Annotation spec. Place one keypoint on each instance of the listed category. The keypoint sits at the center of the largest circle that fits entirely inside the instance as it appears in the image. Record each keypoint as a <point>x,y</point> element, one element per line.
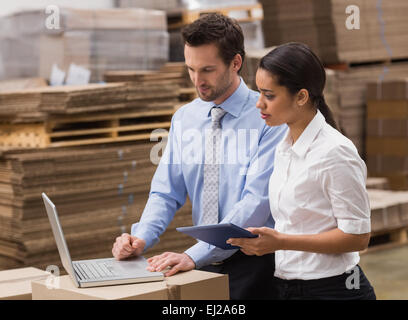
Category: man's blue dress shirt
<point>248,147</point>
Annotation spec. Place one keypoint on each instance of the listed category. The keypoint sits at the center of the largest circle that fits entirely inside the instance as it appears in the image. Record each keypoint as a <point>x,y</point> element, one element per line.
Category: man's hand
<point>176,261</point>
<point>127,246</point>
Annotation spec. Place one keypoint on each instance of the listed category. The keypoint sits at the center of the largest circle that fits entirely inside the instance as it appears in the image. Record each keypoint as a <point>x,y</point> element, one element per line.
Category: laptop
<point>97,272</point>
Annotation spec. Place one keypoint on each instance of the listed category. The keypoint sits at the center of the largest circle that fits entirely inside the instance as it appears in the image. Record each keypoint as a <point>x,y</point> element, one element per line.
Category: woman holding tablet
<point>317,190</point>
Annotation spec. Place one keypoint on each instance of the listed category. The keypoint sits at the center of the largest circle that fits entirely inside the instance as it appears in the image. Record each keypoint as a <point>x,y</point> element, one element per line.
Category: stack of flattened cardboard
<point>340,31</point>
<point>99,192</point>
<point>99,40</point>
<point>377,183</point>
<point>387,131</point>
<point>160,88</point>
<point>33,104</point>
<point>23,83</point>
<point>351,85</point>
<point>83,98</point>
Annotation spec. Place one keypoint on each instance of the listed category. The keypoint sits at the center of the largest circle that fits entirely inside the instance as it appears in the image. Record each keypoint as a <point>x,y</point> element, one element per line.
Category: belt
<point>217,263</point>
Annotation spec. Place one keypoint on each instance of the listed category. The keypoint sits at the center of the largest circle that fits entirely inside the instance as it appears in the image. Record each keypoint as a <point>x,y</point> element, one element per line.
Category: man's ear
<point>236,62</point>
<point>302,97</point>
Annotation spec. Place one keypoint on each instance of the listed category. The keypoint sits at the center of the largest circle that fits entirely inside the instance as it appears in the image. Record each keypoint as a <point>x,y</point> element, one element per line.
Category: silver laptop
<point>98,272</point>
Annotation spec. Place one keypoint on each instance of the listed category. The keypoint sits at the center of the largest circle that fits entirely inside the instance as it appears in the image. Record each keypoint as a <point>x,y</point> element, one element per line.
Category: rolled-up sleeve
<point>344,182</point>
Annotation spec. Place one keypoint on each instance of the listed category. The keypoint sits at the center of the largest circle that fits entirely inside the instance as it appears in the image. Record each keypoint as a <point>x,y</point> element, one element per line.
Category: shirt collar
<point>234,103</point>
<point>305,140</point>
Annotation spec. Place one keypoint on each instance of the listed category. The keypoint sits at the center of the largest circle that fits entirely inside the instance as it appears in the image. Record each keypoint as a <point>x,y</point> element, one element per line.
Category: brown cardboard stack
<point>351,85</point>
<point>377,183</point>
<point>99,192</point>
<point>99,40</point>
<point>389,209</point>
<point>251,63</point>
<point>16,284</point>
<point>322,25</point>
<point>387,131</point>
<point>190,285</point>
<point>20,84</point>
<point>64,99</point>
<point>160,88</point>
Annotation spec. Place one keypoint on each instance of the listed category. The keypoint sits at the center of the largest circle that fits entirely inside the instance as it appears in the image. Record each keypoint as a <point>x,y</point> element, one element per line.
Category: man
<point>227,180</point>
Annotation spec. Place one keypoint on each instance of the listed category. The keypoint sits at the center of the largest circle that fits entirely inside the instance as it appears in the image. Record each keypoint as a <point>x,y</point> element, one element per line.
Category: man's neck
<point>234,86</point>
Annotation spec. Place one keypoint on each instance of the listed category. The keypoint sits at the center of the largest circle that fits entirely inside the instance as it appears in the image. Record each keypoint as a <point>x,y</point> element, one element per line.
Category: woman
<point>317,191</point>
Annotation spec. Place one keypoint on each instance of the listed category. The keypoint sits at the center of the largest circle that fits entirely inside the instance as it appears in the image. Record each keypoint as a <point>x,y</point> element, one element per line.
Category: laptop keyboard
<point>93,270</point>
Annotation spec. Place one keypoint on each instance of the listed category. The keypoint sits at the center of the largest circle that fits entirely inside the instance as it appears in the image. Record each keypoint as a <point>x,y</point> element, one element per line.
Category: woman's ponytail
<point>322,106</point>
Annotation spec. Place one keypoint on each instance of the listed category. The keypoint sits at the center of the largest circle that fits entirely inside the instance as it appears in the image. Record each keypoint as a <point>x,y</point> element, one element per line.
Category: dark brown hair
<point>296,67</point>
<point>221,30</point>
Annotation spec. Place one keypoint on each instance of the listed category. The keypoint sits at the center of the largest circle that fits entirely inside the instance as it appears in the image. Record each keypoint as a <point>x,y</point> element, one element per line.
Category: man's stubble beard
<point>223,85</point>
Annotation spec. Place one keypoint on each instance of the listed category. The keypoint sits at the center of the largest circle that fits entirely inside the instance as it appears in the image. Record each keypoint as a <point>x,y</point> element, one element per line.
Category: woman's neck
<point>296,128</point>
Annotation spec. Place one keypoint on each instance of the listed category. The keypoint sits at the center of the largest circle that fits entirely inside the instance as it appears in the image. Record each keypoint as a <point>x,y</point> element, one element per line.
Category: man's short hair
<point>221,30</point>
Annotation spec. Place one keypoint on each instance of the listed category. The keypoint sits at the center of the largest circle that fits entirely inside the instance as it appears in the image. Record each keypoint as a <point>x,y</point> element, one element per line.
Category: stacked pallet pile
<point>327,28</point>
<point>86,114</point>
<point>98,40</point>
<point>389,214</point>
<point>387,131</point>
<point>374,51</point>
<point>99,192</point>
<point>389,210</point>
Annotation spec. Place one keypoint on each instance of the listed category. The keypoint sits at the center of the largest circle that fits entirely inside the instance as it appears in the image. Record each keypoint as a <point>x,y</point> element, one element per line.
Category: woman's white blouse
<point>318,184</point>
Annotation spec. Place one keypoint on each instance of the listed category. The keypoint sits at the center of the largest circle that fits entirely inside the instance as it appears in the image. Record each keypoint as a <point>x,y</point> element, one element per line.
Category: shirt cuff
<point>137,231</point>
<point>204,254</point>
<point>354,226</point>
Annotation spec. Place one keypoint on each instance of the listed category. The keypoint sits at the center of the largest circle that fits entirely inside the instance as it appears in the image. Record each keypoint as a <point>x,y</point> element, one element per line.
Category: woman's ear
<point>302,97</point>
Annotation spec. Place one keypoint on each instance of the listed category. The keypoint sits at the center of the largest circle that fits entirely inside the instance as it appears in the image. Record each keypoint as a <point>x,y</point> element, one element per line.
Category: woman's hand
<point>268,241</point>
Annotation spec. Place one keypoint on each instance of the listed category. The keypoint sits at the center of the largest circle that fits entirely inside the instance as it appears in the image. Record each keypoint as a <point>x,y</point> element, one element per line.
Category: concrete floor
<point>387,271</point>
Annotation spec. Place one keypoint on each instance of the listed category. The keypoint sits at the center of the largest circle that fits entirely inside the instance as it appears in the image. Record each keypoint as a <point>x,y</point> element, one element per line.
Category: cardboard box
<point>190,285</point>
<point>402,197</point>
<point>62,288</point>
<point>387,128</point>
<point>386,209</point>
<point>381,164</point>
<point>377,183</point>
<point>198,285</point>
<point>387,146</point>
<point>388,90</point>
<point>15,284</point>
<point>387,109</point>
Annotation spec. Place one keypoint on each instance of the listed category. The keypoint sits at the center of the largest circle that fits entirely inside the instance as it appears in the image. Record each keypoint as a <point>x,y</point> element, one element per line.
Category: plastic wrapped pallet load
<point>99,40</point>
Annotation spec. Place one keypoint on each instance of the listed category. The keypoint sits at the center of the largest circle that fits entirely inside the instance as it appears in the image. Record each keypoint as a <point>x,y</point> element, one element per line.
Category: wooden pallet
<point>187,94</point>
<point>387,239</point>
<point>67,131</point>
<point>251,13</point>
<point>350,65</point>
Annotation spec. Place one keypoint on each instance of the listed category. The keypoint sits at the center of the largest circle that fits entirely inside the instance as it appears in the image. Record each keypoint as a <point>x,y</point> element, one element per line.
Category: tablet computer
<point>217,234</point>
